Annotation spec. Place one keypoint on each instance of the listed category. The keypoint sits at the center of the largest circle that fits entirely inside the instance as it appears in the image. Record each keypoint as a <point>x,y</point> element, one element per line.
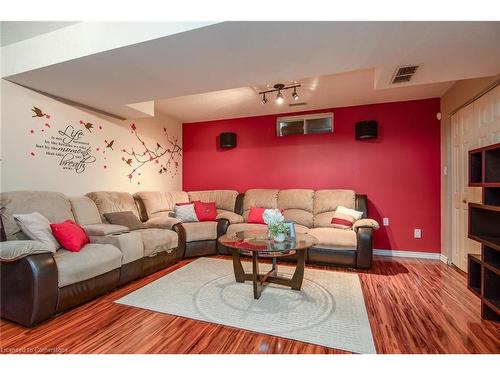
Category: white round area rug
<point>329,310</point>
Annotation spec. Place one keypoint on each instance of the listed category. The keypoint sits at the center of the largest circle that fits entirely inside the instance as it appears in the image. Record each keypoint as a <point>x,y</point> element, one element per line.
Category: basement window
<point>305,124</point>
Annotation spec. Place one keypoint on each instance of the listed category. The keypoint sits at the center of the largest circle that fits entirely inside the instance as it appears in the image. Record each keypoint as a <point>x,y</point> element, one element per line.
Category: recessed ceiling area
<point>216,71</point>
<point>337,90</point>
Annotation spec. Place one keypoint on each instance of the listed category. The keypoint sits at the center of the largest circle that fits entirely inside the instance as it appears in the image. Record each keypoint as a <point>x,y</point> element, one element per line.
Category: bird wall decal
<point>38,112</point>
<point>88,125</point>
<point>110,144</point>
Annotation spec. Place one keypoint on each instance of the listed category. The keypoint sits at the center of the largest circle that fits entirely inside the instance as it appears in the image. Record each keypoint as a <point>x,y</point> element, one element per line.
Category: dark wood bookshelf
<point>483,277</point>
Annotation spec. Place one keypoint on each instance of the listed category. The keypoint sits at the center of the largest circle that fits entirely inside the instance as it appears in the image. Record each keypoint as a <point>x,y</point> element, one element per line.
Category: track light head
<point>295,96</point>
<point>279,98</point>
<point>264,99</point>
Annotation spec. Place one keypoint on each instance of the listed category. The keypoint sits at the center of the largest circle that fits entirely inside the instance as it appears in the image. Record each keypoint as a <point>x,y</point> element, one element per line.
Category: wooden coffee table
<point>257,244</point>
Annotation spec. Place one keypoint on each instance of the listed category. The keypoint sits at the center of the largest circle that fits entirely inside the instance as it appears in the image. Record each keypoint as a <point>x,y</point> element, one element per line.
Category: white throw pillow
<point>348,211</point>
<point>186,213</point>
<point>37,227</point>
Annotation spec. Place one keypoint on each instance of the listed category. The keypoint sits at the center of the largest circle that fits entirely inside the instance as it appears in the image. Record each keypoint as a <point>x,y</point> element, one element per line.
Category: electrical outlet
<point>417,233</point>
<point>386,221</point>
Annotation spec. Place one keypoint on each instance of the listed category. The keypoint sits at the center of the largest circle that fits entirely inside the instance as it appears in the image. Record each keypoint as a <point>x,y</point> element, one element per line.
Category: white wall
<point>37,155</point>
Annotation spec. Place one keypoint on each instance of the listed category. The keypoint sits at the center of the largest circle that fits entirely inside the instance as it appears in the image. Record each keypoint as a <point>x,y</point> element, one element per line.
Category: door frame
<point>449,174</point>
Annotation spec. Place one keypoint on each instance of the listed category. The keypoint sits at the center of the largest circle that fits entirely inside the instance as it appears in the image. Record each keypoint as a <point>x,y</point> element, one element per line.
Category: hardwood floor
<point>414,306</point>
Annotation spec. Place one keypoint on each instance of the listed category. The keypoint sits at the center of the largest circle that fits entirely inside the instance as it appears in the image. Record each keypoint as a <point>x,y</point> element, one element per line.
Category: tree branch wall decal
<point>153,155</point>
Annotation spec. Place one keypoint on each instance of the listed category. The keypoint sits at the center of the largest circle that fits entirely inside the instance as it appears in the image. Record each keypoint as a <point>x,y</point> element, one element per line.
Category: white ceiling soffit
<point>78,40</point>
<point>338,90</point>
<point>16,31</point>
<point>248,54</point>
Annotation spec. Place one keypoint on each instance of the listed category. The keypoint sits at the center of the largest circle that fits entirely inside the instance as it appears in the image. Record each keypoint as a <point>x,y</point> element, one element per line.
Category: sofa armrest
<point>233,217</point>
<point>181,240</point>
<point>10,251</point>
<point>104,229</point>
<point>162,222</point>
<point>222,225</point>
<point>364,253</point>
<point>365,223</point>
<point>29,289</point>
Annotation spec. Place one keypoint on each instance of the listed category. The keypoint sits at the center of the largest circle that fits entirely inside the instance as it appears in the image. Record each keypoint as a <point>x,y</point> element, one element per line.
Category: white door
<point>473,126</point>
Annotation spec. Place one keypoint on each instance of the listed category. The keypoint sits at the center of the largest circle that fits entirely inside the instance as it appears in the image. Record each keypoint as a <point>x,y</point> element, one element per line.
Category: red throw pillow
<point>70,235</point>
<point>255,215</point>
<point>205,211</point>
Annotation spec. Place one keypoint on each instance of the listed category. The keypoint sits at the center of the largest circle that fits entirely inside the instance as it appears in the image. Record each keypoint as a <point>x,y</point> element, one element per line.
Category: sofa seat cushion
<point>201,231</point>
<point>333,238</point>
<point>103,229</point>
<point>130,244</point>
<point>156,240</point>
<point>91,261</point>
<point>233,218</point>
<point>233,228</point>
<point>301,229</point>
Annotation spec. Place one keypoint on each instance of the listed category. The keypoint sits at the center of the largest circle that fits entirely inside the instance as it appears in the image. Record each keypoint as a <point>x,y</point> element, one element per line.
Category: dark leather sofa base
<point>200,248</point>
<point>131,271</point>
<point>79,293</point>
<point>158,262</point>
<point>29,289</point>
<point>332,257</point>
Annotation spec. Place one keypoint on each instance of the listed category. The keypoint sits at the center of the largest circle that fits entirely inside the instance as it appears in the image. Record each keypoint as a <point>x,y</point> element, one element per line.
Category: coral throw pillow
<point>255,215</point>
<point>70,235</point>
<point>205,211</point>
<point>342,221</point>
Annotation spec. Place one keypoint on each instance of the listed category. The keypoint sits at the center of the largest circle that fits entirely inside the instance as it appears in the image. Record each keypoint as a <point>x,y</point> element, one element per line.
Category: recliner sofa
<point>36,287</point>
<point>312,211</point>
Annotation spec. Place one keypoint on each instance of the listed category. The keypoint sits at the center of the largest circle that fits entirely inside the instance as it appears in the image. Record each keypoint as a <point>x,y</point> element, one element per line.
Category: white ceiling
<point>214,71</point>
<point>16,31</point>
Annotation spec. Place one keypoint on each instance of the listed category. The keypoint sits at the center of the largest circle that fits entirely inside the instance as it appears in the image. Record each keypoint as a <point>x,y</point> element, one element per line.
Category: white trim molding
<point>443,258</point>
<point>409,254</point>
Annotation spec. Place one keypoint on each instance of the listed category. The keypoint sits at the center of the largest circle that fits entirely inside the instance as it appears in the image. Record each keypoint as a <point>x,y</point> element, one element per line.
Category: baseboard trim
<point>443,258</point>
<point>409,254</point>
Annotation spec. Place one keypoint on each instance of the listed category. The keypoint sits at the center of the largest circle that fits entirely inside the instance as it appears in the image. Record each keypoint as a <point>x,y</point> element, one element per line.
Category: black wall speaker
<point>227,140</point>
<point>366,129</point>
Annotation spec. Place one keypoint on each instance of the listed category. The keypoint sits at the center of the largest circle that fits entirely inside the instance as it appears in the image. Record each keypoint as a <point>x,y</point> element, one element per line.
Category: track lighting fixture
<point>279,87</point>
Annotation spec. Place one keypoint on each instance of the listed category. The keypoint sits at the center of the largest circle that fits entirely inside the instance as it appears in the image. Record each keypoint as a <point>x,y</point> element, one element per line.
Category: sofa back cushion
<point>152,203</point>
<point>56,207</point>
<point>297,205</point>
<point>224,199</point>
<point>113,201</point>
<point>265,198</point>
<point>326,202</point>
<point>85,211</point>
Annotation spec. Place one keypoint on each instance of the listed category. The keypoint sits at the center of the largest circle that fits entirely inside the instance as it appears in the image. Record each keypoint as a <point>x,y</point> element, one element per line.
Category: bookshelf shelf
<point>483,278</point>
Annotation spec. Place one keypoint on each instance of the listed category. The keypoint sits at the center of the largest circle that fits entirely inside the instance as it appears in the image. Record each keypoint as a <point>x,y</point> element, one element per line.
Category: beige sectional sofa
<point>195,239</point>
<point>312,211</point>
<point>41,284</point>
<point>36,287</point>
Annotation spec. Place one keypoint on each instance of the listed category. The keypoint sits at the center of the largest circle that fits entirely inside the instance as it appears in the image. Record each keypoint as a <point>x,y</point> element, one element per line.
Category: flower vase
<point>280,237</point>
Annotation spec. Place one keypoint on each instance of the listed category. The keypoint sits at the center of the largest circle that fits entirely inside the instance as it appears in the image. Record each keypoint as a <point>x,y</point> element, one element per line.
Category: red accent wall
<point>399,171</point>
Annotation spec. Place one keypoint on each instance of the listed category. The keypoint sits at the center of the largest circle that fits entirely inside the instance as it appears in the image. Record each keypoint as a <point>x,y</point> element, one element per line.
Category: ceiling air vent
<point>297,104</point>
<point>404,73</point>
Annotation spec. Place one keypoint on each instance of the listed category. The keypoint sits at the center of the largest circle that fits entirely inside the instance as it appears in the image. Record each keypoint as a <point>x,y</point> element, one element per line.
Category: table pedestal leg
<point>239,274</point>
<point>257,288</point>
<point>298,275</point>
